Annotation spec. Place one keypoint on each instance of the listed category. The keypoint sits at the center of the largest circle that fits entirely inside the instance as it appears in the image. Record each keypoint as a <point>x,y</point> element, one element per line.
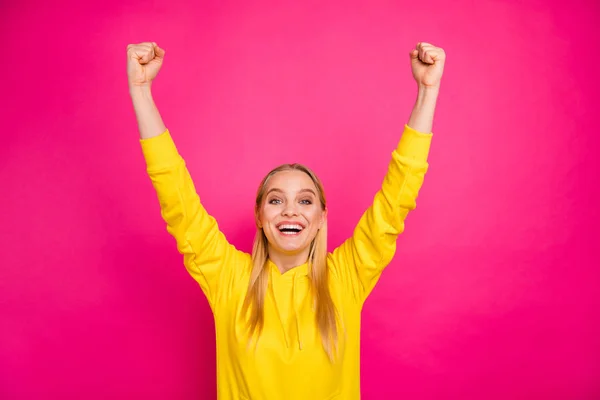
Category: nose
<point>290,210</point>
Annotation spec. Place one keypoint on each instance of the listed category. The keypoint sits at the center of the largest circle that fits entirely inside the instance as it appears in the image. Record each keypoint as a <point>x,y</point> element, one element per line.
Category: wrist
<point>427,96</point>
<point>421,117</point>
<point>428,92</point>
<point>140,90</point>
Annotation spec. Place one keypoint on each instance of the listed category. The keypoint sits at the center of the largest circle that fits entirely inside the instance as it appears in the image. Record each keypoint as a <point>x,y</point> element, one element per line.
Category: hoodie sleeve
<point>360,260</point>
<point>207,255</point>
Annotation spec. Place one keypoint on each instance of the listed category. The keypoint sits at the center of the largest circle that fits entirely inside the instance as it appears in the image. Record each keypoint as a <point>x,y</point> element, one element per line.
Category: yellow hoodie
<point>288,362</point>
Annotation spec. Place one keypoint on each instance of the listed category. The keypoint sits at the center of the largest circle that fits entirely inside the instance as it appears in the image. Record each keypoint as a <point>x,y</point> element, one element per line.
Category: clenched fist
<point>427,65</point>
<point>143,63</point>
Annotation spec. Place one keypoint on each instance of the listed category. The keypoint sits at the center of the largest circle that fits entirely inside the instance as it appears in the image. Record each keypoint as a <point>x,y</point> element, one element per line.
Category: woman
<point>287,316</point>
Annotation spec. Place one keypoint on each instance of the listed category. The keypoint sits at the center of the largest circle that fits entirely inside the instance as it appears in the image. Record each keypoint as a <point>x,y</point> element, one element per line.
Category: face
<point>291,213</point>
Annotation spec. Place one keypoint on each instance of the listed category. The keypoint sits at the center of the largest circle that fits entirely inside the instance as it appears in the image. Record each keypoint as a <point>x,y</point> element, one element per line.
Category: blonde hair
<point>325,313</point>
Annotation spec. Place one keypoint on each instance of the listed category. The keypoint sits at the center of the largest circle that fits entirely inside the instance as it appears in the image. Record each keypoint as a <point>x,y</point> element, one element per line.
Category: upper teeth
<point>290,227</point>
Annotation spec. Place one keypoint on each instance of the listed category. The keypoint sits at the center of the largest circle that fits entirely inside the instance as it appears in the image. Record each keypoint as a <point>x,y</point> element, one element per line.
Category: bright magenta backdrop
<point>493,293</point>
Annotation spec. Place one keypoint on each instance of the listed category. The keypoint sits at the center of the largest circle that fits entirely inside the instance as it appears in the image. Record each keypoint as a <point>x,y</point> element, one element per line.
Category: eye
<point>306,202</point>
<point>274,201</point>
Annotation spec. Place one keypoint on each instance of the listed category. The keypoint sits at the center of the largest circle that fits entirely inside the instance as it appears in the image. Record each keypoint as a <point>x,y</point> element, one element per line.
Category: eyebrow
<point>300,191</point>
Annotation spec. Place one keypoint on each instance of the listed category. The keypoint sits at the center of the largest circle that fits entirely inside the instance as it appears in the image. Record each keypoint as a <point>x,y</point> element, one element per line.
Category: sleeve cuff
<point>414,144</point>
<point>160,151</point>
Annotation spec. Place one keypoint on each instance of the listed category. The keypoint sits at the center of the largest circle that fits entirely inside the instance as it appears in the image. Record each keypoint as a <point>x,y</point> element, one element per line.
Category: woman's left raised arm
<point>360,260</point>
<point>427,62</point>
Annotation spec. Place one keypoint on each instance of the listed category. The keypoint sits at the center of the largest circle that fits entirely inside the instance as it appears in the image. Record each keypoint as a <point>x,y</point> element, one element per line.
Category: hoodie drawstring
<point>285,336</point>
<point>295,310</point>
<point>296,313</point>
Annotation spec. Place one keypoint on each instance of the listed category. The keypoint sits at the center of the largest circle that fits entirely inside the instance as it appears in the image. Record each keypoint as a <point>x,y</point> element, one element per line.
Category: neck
<point>287,261</point>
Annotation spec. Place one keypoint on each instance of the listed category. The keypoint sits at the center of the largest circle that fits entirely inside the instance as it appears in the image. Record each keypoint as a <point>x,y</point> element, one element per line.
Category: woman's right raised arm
<point>208,257</point>
<point>143,63</point>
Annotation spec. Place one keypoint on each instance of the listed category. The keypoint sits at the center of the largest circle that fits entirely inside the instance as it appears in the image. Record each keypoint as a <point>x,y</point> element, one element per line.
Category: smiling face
<point>290,213</point>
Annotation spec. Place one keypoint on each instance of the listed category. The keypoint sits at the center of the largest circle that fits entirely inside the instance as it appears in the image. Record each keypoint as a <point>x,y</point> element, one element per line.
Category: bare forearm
<point>149,121</point>
<point>421,117</point>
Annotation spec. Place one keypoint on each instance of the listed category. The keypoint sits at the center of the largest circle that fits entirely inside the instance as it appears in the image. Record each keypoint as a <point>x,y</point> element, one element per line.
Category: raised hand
<point>143,63</point>
<point>427,65</point>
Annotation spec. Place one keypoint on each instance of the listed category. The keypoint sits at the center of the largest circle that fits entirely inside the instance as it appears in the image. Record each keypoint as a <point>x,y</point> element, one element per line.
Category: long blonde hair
<point>325,313</point>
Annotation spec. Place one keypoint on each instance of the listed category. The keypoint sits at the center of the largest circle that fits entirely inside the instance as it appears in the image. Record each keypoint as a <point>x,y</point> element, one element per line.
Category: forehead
<point>291,181</point>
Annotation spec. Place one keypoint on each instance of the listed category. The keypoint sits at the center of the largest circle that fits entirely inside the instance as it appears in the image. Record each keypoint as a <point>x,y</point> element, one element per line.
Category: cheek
<point>267,214</point>
<point>315,217</point>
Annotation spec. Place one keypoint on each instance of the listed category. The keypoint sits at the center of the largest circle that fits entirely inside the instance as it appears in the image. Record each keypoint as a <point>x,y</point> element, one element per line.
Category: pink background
<point>493,293</point>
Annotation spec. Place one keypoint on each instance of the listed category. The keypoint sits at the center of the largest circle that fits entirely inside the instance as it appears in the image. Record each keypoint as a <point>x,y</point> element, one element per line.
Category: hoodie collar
<point>299,271</point>
<point>292,275</point>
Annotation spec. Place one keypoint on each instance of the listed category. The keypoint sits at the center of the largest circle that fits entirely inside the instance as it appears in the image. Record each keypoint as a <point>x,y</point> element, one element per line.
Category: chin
<point>288,245</point>
<point>292,250</point>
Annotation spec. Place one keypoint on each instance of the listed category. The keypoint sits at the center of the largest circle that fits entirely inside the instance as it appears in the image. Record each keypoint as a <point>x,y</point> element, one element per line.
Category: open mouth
<point>290,229</point>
